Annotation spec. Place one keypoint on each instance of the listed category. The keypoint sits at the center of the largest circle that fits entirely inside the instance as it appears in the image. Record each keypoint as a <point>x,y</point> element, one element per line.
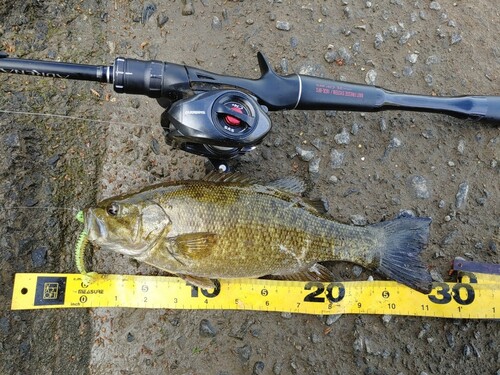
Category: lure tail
<point>400,258</point>
<point>80,250</point>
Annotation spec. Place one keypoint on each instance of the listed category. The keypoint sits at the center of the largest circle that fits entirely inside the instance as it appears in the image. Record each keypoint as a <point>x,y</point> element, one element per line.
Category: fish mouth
<point>95,227</point>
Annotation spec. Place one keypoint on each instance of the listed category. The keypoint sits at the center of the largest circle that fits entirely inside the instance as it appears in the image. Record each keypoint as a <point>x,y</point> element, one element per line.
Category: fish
<point>227,226</point>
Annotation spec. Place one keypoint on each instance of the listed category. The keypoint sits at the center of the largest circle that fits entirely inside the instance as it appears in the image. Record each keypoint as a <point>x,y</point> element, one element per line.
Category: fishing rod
<point>221,116</point>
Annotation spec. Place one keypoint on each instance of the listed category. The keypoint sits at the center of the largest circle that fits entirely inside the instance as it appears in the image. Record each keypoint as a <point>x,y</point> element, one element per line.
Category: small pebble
<point>342,138</point>
<point>315,338</point>
<point>336,159</point>
<point>461,197</point>
<point>206,329</point>
<point>450,339</point>
<point>277,368</point>
<point>304,155</point>
<point>284,65</point>
<point>314,165</point>
<point>39,256</point>
<point>449,238</point>
<point>358,220</point>
<point>379,39</point>
<point>317,143</point>
<point>407,71</point>
<point>394,31</point>
<point>333,179</point>
<point>52,161</point>
<point>429,79</point>
<point>188,8</point>
<point>356,47</point>
<point>324,11</point>
<point>433,59</point>
<point>161,20</point>
<point>383,124</point>
<point>345,55</point>
<point>216,23</point>
<point>258,368</point>
<point>412,58</point>
<point>12,140</point>
<point>286,315</point>
<point>331,56</point>
<point>405,38</point>
<point>467,350</point>
<point>456,38</point>
<point>357,270</point>
<point>419,185</point>
<point>357,345</point>
<point>330,319</point>
<point>147,12</point>
<point>244,352</point>
<point>371,76</point>
<point>395,143</point>
<point>283,25</point>
<point>434,5</point>
<point>386,319</point>
<point>155,146</point>
<point>436,276</point>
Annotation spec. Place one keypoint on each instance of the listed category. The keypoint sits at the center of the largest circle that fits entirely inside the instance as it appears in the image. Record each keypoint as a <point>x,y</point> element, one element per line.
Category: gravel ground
<point>368,166</point>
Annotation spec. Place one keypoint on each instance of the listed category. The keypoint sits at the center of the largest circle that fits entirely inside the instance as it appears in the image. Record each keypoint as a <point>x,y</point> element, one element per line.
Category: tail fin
<point>400,258</point>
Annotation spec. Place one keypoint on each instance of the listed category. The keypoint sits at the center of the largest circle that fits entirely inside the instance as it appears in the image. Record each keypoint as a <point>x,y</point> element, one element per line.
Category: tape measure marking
<point>476,296</point>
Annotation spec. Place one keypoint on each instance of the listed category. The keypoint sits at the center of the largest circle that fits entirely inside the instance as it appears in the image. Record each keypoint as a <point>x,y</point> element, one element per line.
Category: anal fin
<point>200,282</point>
<point>316,272</point>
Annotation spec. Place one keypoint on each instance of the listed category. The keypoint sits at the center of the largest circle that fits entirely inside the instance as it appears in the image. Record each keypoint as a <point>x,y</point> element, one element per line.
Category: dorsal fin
<point>291,184</point>
<point>238,177</point>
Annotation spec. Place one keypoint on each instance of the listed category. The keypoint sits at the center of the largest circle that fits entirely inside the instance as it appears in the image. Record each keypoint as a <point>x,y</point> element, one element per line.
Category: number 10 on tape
<point>451,300</point>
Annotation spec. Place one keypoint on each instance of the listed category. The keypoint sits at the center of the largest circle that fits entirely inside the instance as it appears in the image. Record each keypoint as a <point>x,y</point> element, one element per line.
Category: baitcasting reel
<point>218,124</point>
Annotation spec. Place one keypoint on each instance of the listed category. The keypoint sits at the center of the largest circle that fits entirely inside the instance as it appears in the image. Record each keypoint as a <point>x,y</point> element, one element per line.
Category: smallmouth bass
<point>226,226</point>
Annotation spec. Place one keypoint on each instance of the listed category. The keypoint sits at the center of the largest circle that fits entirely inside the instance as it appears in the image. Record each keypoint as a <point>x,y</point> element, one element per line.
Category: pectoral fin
<point>200,282</point>
<point>193,245</point>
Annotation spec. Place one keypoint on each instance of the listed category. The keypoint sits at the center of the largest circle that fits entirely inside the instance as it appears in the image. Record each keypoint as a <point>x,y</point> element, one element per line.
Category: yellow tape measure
<point>475,296</point>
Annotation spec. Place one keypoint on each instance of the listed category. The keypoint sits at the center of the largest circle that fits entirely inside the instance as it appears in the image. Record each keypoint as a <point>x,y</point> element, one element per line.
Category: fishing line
<point>67,117</point>
<point>39,208</point>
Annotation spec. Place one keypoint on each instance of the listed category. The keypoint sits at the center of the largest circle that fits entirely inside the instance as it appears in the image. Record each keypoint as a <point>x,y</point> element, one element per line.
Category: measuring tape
<point>474,296</point>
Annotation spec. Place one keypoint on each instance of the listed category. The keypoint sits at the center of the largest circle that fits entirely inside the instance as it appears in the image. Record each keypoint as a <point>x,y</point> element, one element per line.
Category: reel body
<point>219,124</point>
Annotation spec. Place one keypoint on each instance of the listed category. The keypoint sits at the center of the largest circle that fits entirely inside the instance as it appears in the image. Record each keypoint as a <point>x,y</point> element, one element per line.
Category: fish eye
<point>112,209</point>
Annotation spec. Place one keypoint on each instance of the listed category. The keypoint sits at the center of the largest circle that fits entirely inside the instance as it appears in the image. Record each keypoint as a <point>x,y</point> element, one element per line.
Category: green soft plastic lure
<point>80,250</point>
